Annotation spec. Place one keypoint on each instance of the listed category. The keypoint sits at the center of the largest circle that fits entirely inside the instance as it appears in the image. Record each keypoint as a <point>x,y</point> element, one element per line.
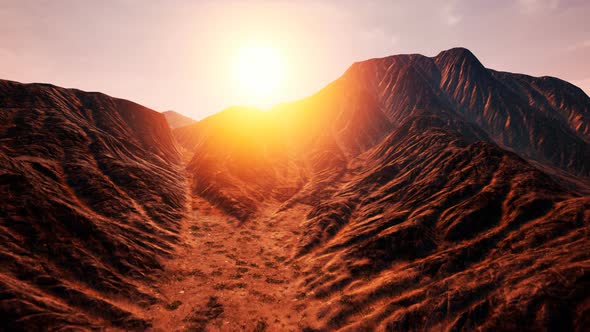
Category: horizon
<point>187,59</point>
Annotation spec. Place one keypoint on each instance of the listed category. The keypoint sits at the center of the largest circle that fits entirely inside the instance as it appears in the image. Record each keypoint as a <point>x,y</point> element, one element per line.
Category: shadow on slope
<point>92,198</point>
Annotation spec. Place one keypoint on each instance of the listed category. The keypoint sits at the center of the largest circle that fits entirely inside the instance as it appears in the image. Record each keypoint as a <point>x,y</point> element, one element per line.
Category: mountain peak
<point>458,50</point>
<point>460,57</point>
<point>457,53</point>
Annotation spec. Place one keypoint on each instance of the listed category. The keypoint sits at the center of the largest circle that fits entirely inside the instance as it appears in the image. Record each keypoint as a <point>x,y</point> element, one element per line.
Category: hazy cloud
<point>536,6</point>
<point>578,46</point>
<point>449,13</point>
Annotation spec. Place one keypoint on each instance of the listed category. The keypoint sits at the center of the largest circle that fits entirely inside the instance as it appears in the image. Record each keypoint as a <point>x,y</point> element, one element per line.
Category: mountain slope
<point>176,120</point>
<point>243,155</point>
<point>92,198</point>
<point>543,118</point>
<point>433,231</point>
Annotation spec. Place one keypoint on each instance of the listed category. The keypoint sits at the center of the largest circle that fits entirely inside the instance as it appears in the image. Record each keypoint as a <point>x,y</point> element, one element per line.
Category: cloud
<point>537,6</point>
<point>394,40</point>
<point>449,13</point>
<point>578,46</point>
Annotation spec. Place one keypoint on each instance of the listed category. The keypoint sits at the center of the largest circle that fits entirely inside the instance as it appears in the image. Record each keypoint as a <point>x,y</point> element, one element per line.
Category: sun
<point>259,72</point>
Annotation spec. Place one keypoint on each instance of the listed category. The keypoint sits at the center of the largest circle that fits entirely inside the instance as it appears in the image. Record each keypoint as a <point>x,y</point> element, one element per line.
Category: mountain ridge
<point>469,91</point>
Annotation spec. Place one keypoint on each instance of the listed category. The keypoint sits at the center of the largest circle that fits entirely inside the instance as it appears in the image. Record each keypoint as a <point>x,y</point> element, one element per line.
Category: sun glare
<point>259,73</point>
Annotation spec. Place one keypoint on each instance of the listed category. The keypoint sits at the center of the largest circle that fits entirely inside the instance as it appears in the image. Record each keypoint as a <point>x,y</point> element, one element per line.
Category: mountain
<point>437,194</point>
<point>372,99</point>
<point>432,230</point>
<point>544,119</point>
<point>176,119</point>
<point>412,193</point>
<point>92,191</point>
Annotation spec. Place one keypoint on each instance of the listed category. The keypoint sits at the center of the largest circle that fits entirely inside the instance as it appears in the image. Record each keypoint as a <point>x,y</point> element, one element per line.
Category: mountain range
<point>412,193</point>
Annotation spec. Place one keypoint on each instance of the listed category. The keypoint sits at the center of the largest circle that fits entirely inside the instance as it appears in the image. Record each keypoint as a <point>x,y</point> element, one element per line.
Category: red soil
<point>231,276</point>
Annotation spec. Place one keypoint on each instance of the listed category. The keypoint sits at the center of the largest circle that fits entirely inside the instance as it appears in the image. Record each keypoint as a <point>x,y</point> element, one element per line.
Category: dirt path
<point>228,276</point>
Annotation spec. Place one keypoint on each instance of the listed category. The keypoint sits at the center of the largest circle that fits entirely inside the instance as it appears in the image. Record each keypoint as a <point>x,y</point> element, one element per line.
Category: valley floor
<point>228,276</point>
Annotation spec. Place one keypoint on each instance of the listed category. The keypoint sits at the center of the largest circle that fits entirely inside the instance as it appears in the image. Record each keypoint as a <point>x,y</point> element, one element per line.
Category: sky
<point>179,55</point>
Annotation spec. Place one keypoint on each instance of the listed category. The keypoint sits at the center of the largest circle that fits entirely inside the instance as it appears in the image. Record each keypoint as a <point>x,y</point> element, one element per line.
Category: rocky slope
<point>544,118</point>
<point>433,230</point>
<point>91,199</point>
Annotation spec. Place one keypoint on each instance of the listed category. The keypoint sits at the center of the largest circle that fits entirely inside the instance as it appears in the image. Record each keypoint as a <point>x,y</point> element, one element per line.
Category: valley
<point>231,276</point>
<point>412,193</point>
